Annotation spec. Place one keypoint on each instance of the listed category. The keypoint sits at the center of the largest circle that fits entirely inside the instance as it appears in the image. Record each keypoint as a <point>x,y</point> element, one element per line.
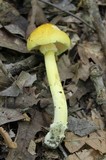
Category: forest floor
<point>26,105</point>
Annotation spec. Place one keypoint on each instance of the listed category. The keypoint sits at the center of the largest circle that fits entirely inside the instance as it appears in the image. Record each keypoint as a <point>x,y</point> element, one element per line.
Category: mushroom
<point>51,41</point>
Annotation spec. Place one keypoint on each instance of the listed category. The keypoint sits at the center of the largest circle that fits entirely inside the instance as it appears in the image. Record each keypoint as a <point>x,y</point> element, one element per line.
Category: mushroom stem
<point>50,40</point>
<point>59,125</point>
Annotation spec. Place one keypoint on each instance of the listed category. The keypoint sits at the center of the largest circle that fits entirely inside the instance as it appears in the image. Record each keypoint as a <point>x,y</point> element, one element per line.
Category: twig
<point>96,77</point>
<point>16,68</point>
<point>97,21</point>
<point>63,151</point>
<point>69,13</point>
<point>7,138</point>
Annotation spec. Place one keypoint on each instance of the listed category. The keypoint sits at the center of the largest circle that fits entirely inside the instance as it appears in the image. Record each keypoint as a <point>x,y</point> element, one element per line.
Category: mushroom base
<point>56,134</point>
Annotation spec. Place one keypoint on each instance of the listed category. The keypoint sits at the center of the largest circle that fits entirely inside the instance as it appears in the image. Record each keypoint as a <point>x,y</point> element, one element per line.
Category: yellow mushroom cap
<point>48,34</point>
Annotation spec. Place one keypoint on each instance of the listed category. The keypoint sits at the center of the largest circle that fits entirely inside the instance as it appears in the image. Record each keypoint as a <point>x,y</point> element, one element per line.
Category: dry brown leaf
<point>12,91</point>
<point>83,71</point>
<point>23,101</point>
<point>36,16</point>
<point>32,147</point>
<point>87,155</point>
<point>15,29</point>
<point>24,80</point>
<point>72,157</point>
<point>97,119</point>
<point>11,19</point>
<point>73,143</point>
<point>74,40</point>
<point>97,141</point>
<point>51,155</point>
<point>81,90</point>
<point>26,133</point>
<point>80,70</point>
<point>91,50</point>
<point>5,81</point>
<point>71,19</point>
<point>84,155</point>
<point>9,115</point>
<point>64,68</point>
<point>7,40</point>
<point>8,13</point>
<point>81,126</point>
<point>6,78</point>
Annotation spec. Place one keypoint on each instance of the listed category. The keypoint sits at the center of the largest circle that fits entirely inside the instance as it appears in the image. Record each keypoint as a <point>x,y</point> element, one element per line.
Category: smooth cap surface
<point>48,34</point>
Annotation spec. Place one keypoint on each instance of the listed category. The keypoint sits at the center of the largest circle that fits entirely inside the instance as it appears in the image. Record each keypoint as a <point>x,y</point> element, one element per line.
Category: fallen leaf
<point>97,141</point>
<point>36,14</point>
<point>83,71</point>
<point>97,119</point>
<point>79,91</point>
<point>72,157</point>
<point>24,101</point>
<point>51,155</point>
<point>5,81</point>
<point>80,70</point>
<point>74,40</point>
<point>7,40</point>
<point>88,154</point>
<point>23,80</point>
<point>8,13</point>
<point>12,91</point>
<point>29,82</point>
<point>15,29</point>
<point>26,133</point>
<point>9,115</point>
<point>73,143</point>
<point>64,68</point>
<point>32,148</point>
<point>81,127</point>
<point>11,19</point>
<point>71,19</point>
<point>92,50</point>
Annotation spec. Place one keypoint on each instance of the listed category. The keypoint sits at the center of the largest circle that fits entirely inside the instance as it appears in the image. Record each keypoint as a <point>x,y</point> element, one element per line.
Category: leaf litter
<point>26,106</point>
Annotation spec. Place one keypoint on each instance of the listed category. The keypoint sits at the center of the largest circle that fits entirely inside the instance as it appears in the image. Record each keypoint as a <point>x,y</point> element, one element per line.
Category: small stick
<point>16,68</point>
<point>63,151</point>
<point>7,138</point>
<point>69,13</point>
<point>96,77</point>
<point>97,21</point>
